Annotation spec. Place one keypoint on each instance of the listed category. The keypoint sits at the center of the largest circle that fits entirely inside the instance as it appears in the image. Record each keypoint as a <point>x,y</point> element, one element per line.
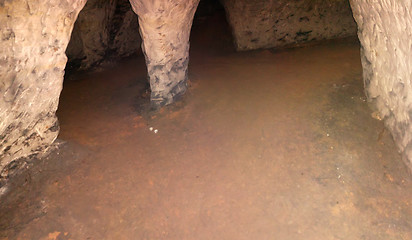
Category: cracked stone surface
<point>34,37</point>
<point>384,32</point>
<point>165,30</point>
<point>273,23</point>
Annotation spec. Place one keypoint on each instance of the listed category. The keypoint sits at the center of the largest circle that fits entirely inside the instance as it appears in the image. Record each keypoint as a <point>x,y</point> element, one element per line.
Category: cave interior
<point>210,119</point>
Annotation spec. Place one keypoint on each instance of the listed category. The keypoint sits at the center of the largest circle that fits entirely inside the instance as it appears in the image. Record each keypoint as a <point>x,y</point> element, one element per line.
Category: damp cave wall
<point>260,24</point>
<point>105,30</point>
<point>385,34</point>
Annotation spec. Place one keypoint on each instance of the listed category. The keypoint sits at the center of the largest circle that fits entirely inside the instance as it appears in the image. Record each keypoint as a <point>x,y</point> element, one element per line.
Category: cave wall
<point>34,37</point>
<point>105,30</point>
<point>385,30</point>
<point>278,23</point>
<point>165,29</point>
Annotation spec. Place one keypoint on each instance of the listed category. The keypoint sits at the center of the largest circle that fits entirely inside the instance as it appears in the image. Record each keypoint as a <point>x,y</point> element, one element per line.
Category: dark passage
<point>211,33</point>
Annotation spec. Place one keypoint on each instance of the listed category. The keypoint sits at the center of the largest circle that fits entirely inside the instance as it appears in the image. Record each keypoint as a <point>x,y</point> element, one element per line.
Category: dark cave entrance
<point>211,32</point>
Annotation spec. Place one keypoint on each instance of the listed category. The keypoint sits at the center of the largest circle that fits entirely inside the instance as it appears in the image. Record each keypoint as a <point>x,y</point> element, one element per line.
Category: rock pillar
<point>34,37</point>
<point>385,30</point>
<point>165,29</point>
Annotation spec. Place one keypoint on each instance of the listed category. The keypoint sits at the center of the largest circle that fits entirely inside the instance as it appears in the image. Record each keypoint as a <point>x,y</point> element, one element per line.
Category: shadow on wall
<point>104,31</point>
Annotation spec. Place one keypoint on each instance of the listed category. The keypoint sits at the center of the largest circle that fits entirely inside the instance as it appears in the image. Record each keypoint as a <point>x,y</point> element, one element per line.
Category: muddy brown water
<point>265,145</point>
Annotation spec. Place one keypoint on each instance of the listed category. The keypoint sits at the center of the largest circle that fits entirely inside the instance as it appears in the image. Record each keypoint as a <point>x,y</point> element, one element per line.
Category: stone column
<point>165,29</point>
<point>385,33</point>
<point>33,39</point>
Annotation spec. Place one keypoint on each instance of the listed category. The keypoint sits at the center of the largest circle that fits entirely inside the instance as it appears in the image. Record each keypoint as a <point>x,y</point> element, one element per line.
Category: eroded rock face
<point>34,37</point>
<point>385,29</point>
<point>104,29</point>
<point>165,29</point>
<point>277,23</point>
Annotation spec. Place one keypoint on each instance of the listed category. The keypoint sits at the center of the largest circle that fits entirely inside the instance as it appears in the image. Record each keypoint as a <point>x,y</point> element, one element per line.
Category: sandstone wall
<point>385,30</point>
<point>104,29</point>
<point>33,41</point>
<point>165,29</point>
<point>277,23</point>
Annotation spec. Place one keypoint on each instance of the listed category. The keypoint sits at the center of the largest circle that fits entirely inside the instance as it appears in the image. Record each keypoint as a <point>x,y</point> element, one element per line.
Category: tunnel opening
<point>265,144</point>
<point>211,32</point>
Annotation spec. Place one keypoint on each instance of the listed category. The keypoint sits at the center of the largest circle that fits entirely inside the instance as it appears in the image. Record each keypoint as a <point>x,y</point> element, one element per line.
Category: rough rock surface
<point>104,29</point>
<point>165,30</point>
<point>384,30</point>
<point>273,23</point>
<point>34,37</point>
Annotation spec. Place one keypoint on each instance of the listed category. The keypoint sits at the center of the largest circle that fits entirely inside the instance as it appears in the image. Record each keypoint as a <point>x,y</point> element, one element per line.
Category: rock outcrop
<point>277,23</point>
<point>384,30</point>
<point>165,29</point>
<point>104,30</point>
<point>34,37</point>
